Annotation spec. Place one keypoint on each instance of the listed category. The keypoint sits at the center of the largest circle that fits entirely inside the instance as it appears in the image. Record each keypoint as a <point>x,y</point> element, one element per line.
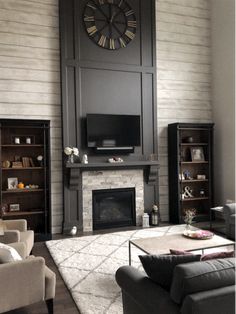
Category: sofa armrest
<point>218,301</point>
<point>20,247</point>
<point>22,283</point>
<point>10,236</point>
<point>138,290</point>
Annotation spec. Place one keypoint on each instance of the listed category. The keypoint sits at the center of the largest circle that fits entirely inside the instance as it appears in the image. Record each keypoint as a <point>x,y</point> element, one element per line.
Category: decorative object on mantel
<point>72,153</point>
<point>14,207</point>
<point>20,185</point>
<point>115,159</point>
<point>155,215</point>
<point>145,220</point>
<point>85,159</point>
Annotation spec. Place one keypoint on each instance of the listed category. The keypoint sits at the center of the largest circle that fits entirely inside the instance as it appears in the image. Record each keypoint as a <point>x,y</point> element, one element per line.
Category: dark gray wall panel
<point>110,92</point>
<point>96,80</point>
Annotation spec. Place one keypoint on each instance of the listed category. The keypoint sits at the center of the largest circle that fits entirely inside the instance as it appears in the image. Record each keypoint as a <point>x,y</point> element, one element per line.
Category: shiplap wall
<point>30,78</point>
<point>30,75</point>
<point>183,73</point>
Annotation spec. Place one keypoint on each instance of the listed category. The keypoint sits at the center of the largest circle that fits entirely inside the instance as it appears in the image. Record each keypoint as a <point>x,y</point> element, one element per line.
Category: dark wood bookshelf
<point>183,139</point>
<point>30,172</point>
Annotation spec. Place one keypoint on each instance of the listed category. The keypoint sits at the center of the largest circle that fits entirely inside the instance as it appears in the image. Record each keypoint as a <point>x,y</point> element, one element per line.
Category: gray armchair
<point>16,231</point>
<point>26,282</point>
<point>229,215</point>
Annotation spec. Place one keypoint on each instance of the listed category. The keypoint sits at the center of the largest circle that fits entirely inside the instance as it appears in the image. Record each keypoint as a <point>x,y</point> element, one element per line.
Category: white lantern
<point>145,220</point>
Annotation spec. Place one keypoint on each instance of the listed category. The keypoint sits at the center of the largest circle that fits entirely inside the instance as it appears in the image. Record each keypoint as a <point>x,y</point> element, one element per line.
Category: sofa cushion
<point>8,254</point>
<point>160,268</point>
<point>196,277</point>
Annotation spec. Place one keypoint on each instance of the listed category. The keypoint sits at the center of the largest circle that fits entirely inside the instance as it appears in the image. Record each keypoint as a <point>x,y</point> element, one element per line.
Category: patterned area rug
<point>88,265</point>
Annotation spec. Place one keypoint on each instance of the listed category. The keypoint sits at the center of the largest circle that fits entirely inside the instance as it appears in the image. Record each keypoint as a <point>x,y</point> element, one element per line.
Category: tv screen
<point>107,131</point>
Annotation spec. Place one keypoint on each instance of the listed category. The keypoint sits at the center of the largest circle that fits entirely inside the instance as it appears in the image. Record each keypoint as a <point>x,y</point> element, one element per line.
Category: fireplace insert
<point>113,208</point>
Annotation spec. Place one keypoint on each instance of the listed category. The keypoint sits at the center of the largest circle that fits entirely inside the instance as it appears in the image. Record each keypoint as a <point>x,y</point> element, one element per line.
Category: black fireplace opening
<point>114,208</point>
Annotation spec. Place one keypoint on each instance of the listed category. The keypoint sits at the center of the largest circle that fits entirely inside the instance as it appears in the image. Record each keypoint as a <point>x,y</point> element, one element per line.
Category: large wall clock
<point>111,24</point>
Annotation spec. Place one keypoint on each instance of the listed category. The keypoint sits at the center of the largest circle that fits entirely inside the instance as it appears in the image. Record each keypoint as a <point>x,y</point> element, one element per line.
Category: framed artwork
<point>12,183</point>
<point>14,207</point>
<point>197,154</point>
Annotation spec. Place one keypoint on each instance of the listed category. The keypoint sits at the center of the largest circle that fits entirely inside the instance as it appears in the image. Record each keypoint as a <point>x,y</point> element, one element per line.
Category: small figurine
<point>73,231</point>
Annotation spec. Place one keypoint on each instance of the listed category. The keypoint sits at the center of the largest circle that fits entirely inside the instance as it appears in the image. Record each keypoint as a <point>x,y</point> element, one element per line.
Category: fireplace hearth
<point>113,208</point>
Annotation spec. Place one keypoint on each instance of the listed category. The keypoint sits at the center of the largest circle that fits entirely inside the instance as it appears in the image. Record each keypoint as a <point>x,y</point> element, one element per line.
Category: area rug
<point>88,265</point>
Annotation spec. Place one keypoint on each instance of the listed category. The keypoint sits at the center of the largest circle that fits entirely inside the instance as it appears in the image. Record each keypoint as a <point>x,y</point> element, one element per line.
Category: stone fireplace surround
<point>111,179</point>
<point>84,178</point>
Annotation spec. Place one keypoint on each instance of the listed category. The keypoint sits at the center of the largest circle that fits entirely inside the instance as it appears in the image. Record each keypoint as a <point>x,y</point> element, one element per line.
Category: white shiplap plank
<point>34,19</point>
<point>28,29</point>
<point>28,52</point>
<point>29,7</point>
<point>28,63</point>
<point>29,41</point>
<point>30,86</point>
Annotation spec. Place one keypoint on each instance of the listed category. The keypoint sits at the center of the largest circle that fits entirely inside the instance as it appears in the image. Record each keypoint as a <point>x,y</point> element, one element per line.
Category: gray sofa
<point>197,288</point>
<point>229,215</point>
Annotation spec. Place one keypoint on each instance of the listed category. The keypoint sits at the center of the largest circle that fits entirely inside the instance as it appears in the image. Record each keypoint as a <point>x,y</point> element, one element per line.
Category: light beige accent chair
<point>16,231</point>
<point>25,282</point>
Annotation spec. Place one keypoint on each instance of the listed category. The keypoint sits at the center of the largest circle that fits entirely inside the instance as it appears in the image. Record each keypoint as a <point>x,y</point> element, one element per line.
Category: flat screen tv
<point>108,132</point>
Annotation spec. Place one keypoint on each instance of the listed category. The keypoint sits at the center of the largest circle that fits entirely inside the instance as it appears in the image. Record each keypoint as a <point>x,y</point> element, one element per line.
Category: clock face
<point>111,24</point>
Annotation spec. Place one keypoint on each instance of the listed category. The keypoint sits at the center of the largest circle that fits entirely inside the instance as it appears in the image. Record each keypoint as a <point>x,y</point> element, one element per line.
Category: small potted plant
<point>71,152</point>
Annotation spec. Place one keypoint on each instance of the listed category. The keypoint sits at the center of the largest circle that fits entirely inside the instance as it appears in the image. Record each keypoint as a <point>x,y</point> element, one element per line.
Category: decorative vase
<point>71,158</point>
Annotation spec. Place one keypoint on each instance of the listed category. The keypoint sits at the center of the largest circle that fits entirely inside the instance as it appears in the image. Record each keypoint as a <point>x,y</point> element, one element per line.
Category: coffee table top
<point>163,244</point>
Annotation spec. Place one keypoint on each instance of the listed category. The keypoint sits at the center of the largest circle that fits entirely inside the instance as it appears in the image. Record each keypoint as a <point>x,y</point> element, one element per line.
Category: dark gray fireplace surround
<point>97,80</point>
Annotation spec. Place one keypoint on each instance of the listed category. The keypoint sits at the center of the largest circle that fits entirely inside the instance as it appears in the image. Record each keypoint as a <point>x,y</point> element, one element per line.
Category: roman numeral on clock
<point>122,42</point>
<point>130,12</point>
<point>89,18</point>
<point>132,24</point>
<point>92,30</point>
<point>130,34</point>
<point>102,41</point>
<point>91,6</point>
<point>112,44</point>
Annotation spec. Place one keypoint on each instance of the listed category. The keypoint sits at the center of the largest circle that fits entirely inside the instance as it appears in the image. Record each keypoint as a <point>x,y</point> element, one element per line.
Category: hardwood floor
<point>63,302</point>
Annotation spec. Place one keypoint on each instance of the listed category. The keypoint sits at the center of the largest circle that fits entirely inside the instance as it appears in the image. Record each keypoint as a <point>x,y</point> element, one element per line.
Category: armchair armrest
<point>22,283</point>
<point>16,224</point>
<point>229,209</point>
<point>218,301</point>
<point>10,236</point>
<point>20,247</point>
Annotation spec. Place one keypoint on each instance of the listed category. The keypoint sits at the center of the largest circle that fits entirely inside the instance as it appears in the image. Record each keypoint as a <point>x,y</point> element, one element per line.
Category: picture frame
<point>12,183</point>
<point>197,154</point>
<point>14,207</point>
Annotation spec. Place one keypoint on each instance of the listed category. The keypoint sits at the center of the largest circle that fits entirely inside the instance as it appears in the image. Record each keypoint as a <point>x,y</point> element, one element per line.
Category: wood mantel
<point>75,170</point>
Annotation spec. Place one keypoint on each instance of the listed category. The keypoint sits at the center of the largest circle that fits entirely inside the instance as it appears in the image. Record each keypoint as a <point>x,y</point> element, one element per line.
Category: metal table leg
<point>129,253</point>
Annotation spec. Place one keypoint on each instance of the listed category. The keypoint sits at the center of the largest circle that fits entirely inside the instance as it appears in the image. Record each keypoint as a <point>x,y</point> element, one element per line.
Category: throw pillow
<point>160,268</point>
<point>179,252</point>
<point>207,257</point>
<point>8,254</point>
